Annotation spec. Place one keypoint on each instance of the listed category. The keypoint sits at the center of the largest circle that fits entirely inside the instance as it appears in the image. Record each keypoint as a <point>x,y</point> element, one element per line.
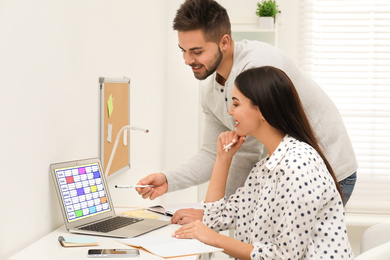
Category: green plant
<point>267,8</point>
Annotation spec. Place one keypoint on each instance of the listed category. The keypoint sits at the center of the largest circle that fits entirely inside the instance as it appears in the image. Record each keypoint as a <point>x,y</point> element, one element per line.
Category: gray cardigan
<point>216,99</point>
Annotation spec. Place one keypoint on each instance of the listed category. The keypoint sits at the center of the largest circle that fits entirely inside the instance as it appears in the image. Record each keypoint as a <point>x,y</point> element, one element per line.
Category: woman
<point>290,206</point>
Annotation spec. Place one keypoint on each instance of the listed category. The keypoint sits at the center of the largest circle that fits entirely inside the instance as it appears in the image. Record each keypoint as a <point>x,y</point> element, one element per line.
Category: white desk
<point>48,247</point>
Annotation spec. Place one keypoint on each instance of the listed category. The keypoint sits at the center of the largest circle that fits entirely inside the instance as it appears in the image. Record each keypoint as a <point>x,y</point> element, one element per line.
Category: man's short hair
<point>205,15</point>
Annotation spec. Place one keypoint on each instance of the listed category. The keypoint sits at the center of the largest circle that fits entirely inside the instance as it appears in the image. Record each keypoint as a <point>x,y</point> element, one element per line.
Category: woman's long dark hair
<point>273,92</point>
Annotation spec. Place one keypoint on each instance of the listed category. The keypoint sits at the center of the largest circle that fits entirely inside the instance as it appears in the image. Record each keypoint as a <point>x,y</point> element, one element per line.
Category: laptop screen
<point>82,191</point>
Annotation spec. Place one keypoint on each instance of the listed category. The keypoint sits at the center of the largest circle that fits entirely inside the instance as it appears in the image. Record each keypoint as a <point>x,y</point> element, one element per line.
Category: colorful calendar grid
<point>83,191</point>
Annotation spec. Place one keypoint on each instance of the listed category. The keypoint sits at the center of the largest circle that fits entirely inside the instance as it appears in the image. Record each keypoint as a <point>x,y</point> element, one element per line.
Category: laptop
<point>86,204</point>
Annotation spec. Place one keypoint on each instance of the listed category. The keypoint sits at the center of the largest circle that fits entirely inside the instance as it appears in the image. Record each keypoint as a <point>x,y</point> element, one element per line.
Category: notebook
<point>86,204</point>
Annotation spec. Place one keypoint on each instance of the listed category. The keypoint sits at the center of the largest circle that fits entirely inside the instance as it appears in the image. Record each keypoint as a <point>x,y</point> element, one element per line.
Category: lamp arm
<point>116,144</point>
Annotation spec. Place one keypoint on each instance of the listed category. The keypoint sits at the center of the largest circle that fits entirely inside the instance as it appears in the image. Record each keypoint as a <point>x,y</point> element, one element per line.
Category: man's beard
<point>216,61</point>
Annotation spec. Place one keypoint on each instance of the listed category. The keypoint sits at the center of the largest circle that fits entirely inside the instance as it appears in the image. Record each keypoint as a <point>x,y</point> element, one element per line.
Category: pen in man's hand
<point>132,186</point>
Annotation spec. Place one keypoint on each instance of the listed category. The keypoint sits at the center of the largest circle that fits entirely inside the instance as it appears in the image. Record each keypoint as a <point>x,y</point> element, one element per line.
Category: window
<point>345,46</point>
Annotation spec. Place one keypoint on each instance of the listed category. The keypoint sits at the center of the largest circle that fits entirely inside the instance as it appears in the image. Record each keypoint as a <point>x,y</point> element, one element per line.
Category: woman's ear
<point>262,117</point>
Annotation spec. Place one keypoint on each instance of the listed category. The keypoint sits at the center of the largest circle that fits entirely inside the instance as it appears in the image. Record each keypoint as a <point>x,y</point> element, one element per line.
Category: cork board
<point>114,114</point>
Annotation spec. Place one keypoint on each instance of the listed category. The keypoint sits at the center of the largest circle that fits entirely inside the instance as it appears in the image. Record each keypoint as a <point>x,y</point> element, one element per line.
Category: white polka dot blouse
<point>288,208</point>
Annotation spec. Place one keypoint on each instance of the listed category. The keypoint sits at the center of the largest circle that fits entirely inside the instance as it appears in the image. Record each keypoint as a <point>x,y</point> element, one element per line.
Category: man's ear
<point>224,43</point>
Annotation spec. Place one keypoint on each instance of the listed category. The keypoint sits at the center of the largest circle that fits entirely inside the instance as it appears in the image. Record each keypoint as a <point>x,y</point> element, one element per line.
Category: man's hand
<point>185,216</point>
<point>160,186</point>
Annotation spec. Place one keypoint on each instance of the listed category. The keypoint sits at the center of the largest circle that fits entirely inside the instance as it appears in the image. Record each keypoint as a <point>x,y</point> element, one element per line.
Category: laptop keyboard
<point>111,224</point>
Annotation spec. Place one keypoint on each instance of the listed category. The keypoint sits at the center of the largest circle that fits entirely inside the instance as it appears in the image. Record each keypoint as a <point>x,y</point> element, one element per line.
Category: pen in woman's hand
<point>228,146</point>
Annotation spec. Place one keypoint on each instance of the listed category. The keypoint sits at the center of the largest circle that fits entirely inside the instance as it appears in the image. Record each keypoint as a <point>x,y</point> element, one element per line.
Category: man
<point>204,34</point>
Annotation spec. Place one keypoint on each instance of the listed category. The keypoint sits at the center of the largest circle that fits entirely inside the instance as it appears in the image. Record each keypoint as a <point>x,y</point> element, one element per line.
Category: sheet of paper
<point>140,214</point>
<point>109,133</point>
<point>110,106</point>
<point>180,247</point>
<point>165,245</point>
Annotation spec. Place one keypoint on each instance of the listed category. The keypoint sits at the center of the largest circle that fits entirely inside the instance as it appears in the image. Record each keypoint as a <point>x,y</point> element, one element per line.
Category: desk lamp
<point>116,144</point>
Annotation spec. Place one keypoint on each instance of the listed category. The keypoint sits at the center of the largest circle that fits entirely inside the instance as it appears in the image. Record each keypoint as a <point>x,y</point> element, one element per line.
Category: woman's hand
<point>204,234</point>
<point>198,230</point>
<point>185,216</point>
<point>225,139</point>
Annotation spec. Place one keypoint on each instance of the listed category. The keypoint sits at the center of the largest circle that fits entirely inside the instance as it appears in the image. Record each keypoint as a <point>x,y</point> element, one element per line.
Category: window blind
<point>345,47</point>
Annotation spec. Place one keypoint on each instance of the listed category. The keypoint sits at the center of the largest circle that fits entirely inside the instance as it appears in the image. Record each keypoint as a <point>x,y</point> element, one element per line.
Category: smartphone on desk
<point>112,253</point>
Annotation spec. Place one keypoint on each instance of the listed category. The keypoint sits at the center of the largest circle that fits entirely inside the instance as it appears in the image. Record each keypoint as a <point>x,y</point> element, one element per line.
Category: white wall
<point>51,56</point>
<point>182,117</point>
<point>288,29</point>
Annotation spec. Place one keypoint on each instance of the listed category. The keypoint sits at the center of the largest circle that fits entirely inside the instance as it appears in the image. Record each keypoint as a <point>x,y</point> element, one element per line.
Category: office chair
<point>375,243</point>
<point>374,236</point>
<point>381,252</point>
